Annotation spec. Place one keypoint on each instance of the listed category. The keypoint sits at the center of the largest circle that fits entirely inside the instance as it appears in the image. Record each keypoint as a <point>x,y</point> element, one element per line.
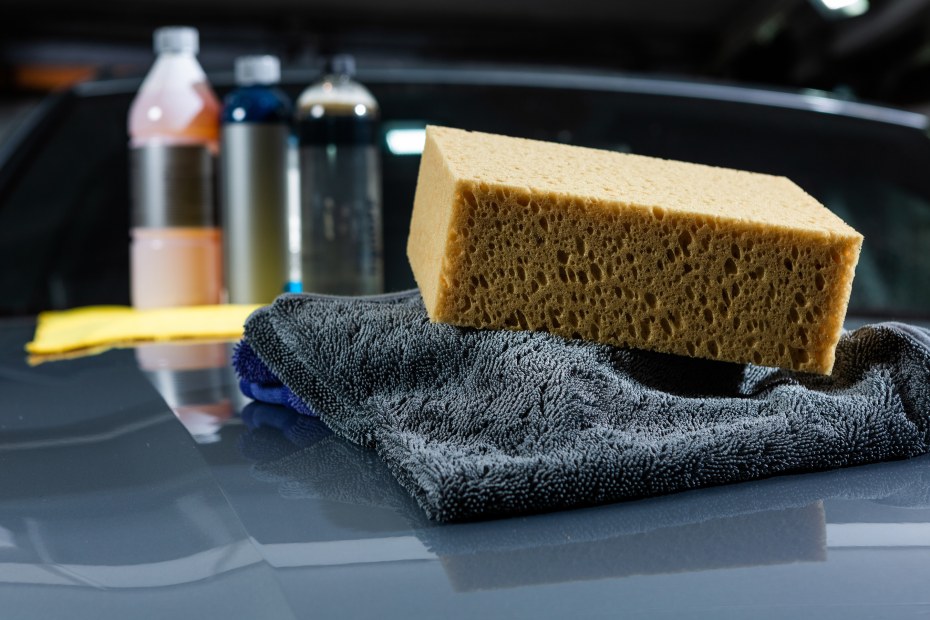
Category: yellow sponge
<point>629,250</point>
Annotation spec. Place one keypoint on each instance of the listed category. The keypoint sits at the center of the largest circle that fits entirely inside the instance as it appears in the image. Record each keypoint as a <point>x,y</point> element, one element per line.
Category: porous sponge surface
<point>629,250</point>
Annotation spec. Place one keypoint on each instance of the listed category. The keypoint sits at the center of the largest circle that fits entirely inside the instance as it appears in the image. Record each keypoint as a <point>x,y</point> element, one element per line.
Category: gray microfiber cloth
<point>477,423</point>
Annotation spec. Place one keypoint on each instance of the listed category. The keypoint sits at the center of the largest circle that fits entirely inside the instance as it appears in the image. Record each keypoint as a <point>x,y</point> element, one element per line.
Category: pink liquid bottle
<point>176,253</point>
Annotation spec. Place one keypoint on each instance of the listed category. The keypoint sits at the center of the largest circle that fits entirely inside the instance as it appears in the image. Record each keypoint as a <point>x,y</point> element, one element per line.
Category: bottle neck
<point>337,95</point>
<point>175,104</point>
<point>173,70</point>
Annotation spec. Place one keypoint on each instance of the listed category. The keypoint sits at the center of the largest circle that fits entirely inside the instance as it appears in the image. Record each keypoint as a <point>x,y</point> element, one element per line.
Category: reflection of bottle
<point>173,126</point>
<point>196,383</point>
<point>340,185</point>
<point>256,126</point>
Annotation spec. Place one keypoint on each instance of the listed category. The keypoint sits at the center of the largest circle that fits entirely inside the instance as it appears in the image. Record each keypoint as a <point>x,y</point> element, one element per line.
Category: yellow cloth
<point>96,327</point>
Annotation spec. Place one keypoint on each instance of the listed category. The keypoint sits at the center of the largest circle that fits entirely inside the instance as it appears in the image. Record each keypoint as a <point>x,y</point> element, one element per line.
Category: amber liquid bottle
<point>176,253</point>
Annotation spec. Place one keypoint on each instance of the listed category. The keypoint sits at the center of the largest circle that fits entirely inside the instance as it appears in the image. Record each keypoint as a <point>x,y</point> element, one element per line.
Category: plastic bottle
<point>176,254</point>
<point>256,128</point>
<point>340,185</point>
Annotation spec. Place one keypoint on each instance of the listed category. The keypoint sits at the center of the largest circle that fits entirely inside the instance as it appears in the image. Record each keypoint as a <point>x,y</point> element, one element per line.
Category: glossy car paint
<point>111,507</point>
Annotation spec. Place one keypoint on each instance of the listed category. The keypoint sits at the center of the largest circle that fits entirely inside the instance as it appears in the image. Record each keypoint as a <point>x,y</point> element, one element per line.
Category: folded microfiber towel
<point>477,424</point>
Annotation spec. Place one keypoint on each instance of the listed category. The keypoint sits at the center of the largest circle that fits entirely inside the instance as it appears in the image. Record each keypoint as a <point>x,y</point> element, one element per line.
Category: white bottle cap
<point>177,40</point>
<point>257,70</point>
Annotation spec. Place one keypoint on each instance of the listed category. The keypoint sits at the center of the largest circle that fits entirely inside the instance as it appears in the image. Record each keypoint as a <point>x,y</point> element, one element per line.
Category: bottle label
<point>172,186</point>
<point>341,235</point>
<point>254,198</point>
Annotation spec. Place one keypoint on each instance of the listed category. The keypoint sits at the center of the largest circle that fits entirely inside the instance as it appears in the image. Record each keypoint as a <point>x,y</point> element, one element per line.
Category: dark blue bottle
<point>257,103</point>
<point>256,131</point>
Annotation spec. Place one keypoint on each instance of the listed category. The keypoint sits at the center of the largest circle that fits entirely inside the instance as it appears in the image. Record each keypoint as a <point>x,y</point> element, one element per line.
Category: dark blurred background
<point>876,50</point>
<point>811,89</point>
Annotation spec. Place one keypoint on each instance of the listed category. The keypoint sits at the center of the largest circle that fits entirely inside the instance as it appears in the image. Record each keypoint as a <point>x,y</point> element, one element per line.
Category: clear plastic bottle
<point>340,185</point>
<point>176,254</point>
<point>256,130</point>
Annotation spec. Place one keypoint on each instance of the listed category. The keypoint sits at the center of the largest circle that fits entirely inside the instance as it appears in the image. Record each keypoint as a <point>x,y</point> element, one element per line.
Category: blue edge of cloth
<point>257,382</point>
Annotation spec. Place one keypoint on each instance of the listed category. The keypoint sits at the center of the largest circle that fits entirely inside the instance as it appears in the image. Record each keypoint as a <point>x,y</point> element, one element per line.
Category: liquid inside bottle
<point>340,185</point>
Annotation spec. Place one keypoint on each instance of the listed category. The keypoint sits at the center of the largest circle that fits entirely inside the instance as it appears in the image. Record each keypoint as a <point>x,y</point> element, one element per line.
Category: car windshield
<point>865,163</point>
